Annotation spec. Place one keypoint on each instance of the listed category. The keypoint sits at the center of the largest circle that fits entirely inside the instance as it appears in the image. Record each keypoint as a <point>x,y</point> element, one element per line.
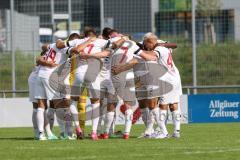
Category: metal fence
<point>207,34</point>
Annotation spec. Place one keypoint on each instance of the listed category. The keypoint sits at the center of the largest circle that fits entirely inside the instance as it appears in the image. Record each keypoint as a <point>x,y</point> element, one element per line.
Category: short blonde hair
<point>150,35</point>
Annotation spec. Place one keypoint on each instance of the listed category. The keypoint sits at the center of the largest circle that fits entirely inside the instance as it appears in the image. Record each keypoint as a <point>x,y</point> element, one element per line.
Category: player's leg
<point>112,91</point>
<point>74,114</point>
<point>68,123</point>
<point>94,94</point>
<point>153,115</point>
<point>144,111</point>
<point>129,98</point>
<point>95,102</point>
<point>50,114</point>
<point>82,109</point>
<point>75,93</point>
<point>34,119</point>
<point>109,119</point>
<point>50,94</point>
<point>31,85</point>
<point>41,98</point>
<point>63,118</point>
<point>60,114</point>
<point>128,119</point>
<point>174,100</point>
<point>47,127</point>
<point>176,117</point>
<point>40,118</point>
<point>162,121</point>
<point>101,116</point>
<point>106,88</point>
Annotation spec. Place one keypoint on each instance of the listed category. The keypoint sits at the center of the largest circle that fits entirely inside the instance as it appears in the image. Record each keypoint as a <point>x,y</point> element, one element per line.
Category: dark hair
<point>106,32</point>
<point>43,53</point>
<point>113,30</point>
<point>81,36</point>
<point>88,30</point>
<point>129,36</point>
<point>73,36</point>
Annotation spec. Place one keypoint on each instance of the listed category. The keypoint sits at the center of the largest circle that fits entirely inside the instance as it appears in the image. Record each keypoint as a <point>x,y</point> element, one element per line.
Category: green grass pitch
<point>198,142</point>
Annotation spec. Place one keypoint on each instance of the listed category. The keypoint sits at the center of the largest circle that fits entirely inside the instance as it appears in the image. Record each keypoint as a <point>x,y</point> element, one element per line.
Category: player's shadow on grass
<point>17,138</point>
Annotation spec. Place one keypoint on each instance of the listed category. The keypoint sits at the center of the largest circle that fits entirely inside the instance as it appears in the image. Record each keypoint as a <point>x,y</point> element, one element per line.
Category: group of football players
<point>110,67</point>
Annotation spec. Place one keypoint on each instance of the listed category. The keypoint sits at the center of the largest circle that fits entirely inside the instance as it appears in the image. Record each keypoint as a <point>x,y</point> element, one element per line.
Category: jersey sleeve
<point>52,45</point>
<point>103,43</point>
<point>65,50</point>
<point>75,42</point>
<point>112,40</point>
<point>160,51</point>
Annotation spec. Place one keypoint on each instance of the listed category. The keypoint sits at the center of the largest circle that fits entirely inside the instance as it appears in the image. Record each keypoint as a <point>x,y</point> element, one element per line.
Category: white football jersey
<point>95,47</point>
<point>125,53</point>
<point>165,58</point>
<point>76,42</point>
<point>81,63</point>
<point>55,55</point>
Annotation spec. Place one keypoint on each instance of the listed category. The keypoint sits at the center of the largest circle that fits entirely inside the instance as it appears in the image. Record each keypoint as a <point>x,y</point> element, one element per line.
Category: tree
<point>207,9</point>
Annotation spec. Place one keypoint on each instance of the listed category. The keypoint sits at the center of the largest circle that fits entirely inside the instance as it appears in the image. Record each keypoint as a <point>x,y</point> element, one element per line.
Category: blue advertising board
<point>203,108</point>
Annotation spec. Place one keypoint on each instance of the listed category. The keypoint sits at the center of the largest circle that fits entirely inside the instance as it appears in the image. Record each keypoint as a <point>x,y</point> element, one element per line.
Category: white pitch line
<point>214,151</point>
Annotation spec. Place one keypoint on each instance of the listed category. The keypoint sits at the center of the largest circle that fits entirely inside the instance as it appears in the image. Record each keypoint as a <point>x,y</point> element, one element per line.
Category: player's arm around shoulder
<point>41,61</point>
<point>160,51</point>
<point>105,53</point>
<point>148,55</point>
<point>124,67</point>
<point>83,45</point>
<point>60,44</point>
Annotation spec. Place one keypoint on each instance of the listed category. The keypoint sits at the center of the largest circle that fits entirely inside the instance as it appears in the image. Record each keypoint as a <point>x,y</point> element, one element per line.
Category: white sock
<point>40,120</point>
<point>50,115</point>
<point>61,113</point>
<point>47,124</point>
<point>128,120</point>
<point>112,128</point>
<point>95,116</point>
<point>150,122</point>
<point>176,116</point>
<point>161,120</point>
<point>101,117</point>
<point>68,124</point>
<point>144,112</point>
<point>74,112</point>
<point>34,121</point>
<point>108,121</point>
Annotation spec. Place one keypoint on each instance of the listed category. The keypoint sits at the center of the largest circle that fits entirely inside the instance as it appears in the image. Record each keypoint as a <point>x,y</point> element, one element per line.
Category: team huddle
<point>108,68</point>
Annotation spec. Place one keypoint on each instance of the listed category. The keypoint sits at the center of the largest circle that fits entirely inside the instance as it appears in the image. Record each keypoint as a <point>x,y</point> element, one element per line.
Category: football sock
<point>61,115</point>
<point>34,121</point>
<point>150,122</point>
<point>101,116</point>
<point>128,120</point>
<point>108,121</point>
<point>95,116</point>
<point>40,120</point>
<point>50,115</point>
<point>68,124</point>
<point>112,128</point>
<point>161,120</point>
<point>74,112</point>
<point>47,125</point>
<point>176,115</point>
<point>82,111</point>
<point>144,112</point>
